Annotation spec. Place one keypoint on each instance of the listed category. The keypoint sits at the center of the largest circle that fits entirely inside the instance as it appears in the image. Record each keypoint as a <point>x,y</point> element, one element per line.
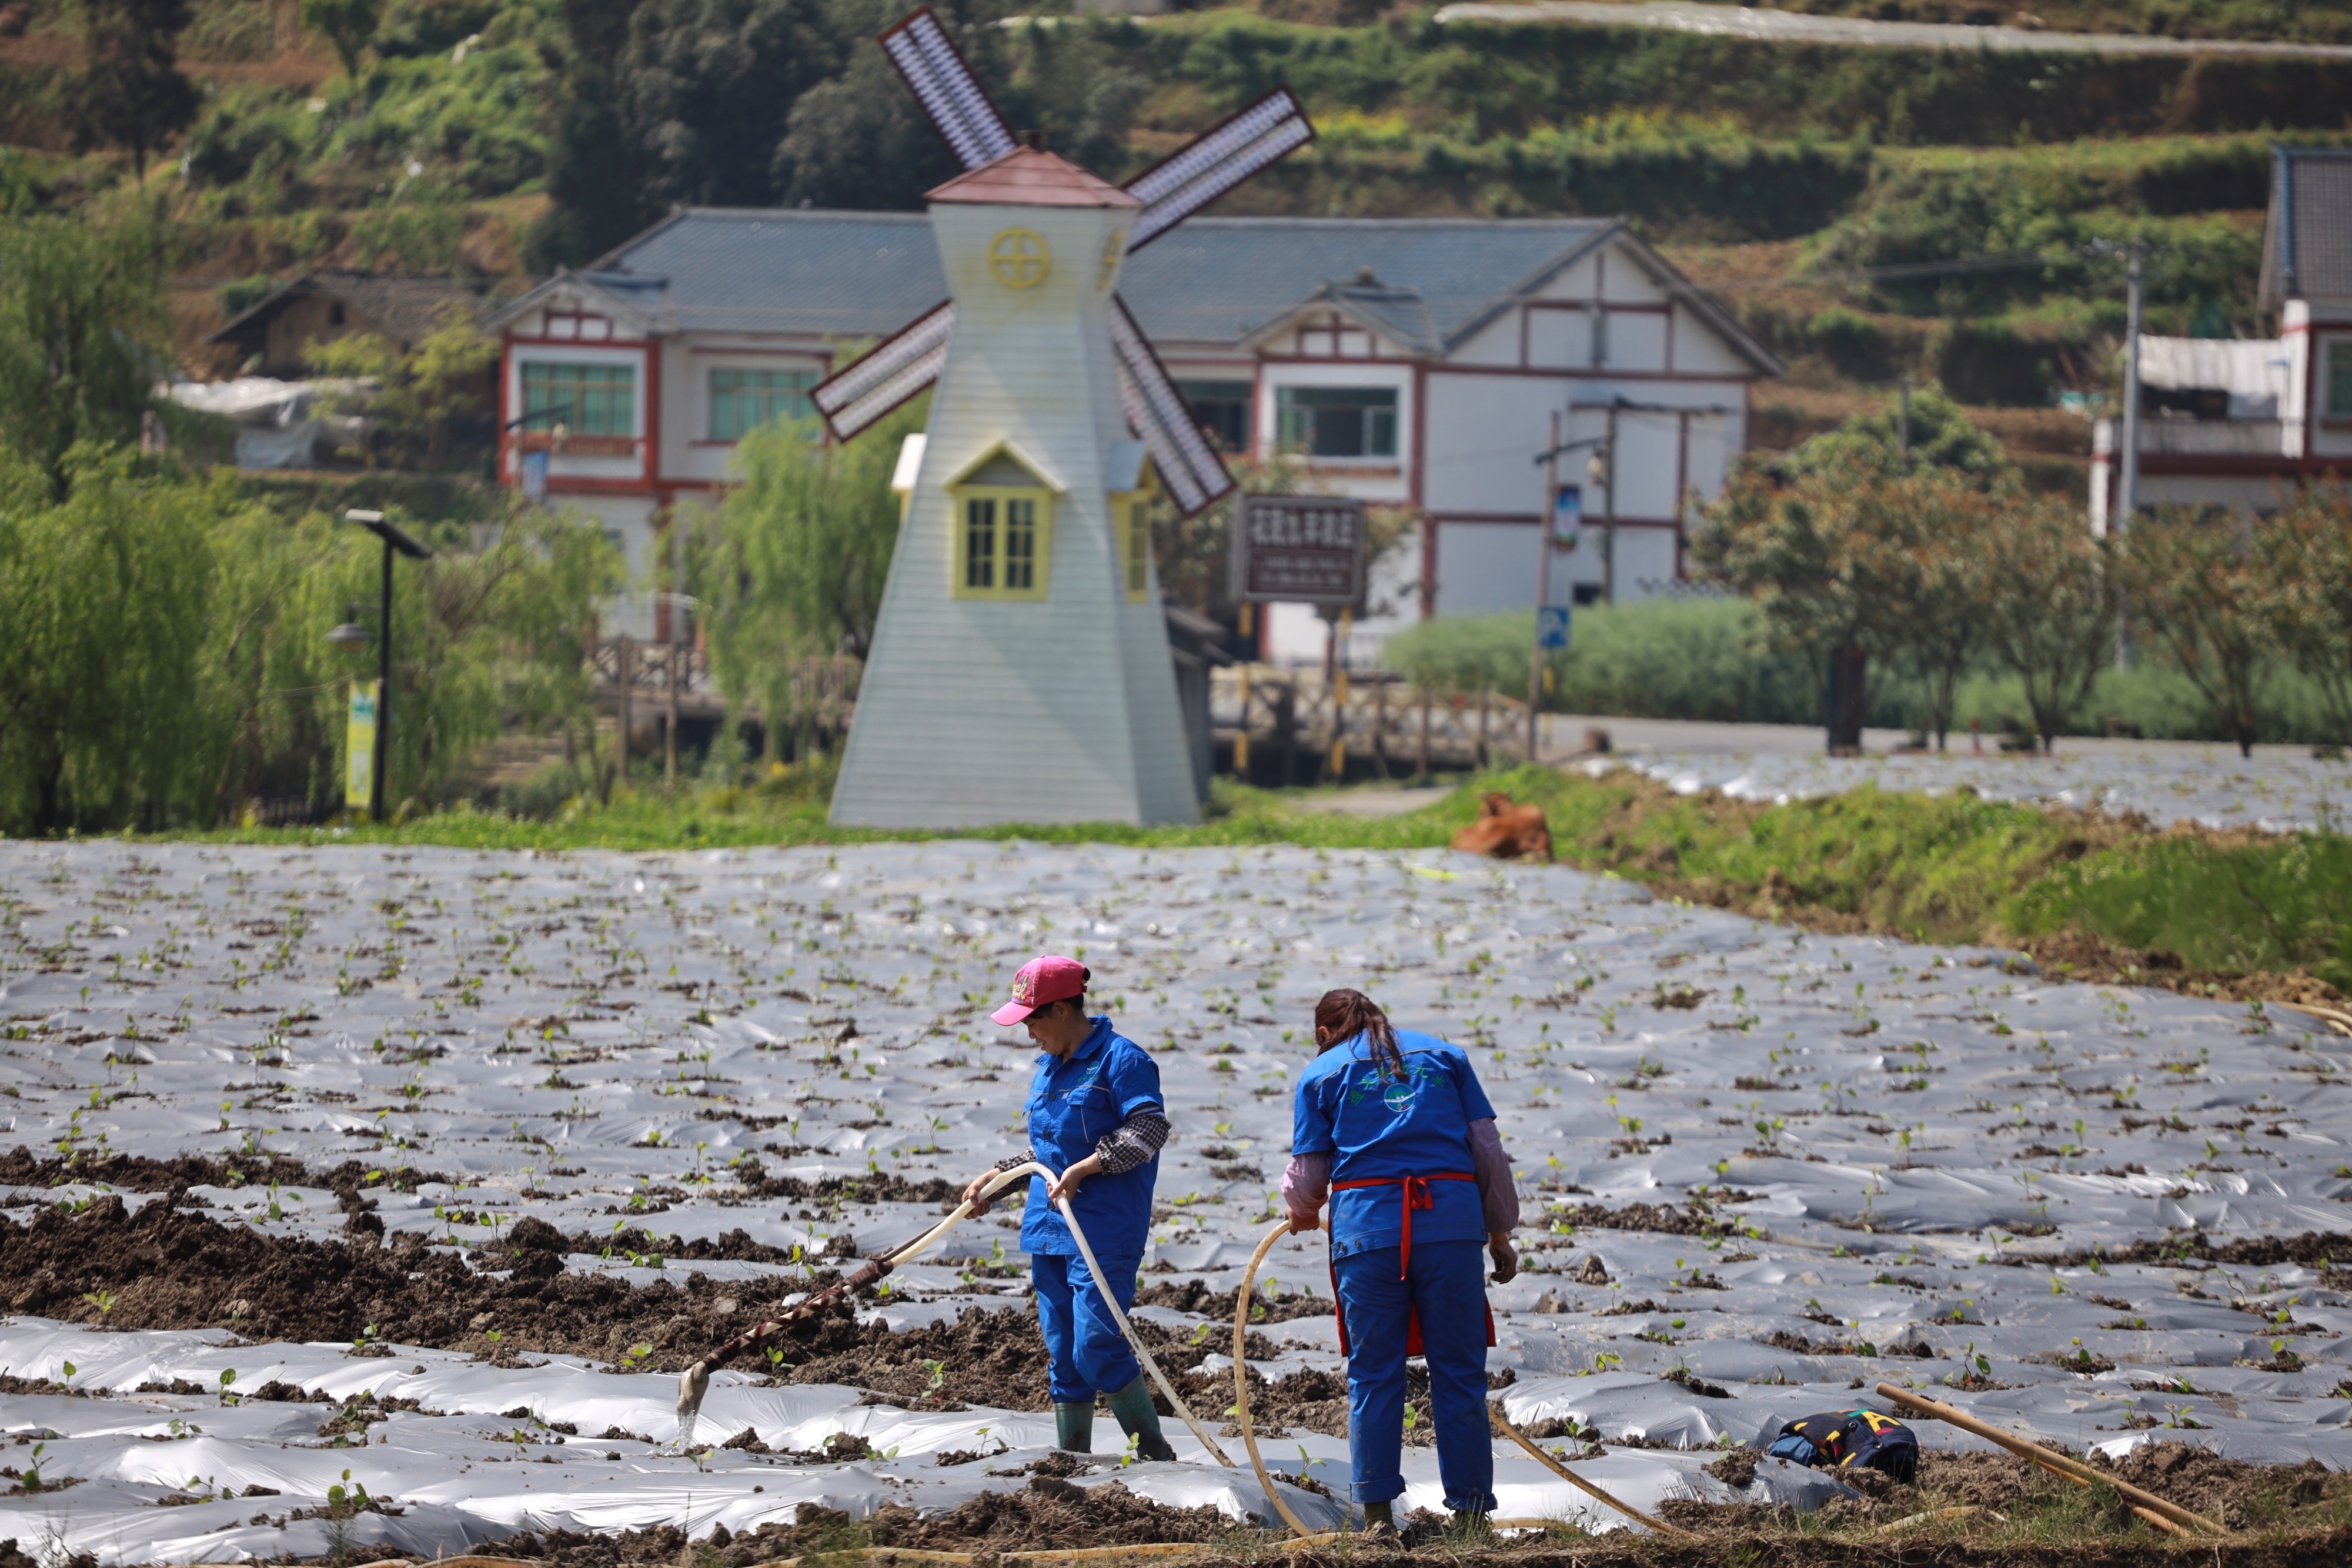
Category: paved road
<point>1792,28</point>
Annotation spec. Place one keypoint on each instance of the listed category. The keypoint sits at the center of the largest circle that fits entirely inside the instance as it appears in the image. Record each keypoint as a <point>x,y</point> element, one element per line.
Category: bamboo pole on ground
<point>1578,1482</point>
<point>2170,1516</point>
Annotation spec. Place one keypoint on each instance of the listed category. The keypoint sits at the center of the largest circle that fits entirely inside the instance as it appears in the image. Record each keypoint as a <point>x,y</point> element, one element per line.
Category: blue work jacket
<point>1378,1127</point>
<point>1073,1101</point>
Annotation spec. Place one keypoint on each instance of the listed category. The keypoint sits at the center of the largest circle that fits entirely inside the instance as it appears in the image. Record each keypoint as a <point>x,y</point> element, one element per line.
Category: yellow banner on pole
<point>359,747</point>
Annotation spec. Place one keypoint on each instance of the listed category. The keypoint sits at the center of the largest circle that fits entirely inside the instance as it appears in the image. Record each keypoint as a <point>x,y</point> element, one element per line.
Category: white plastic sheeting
<point>1904,1131</point>
<point>2281,790</point>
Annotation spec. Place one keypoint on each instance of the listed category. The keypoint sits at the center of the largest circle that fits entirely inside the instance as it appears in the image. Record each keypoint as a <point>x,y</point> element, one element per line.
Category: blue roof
<point>2308,243</point>
<point>1426,282</point>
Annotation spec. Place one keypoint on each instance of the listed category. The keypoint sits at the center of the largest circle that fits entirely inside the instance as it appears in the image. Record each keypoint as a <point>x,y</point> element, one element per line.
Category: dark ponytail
<point>1342,1015</point>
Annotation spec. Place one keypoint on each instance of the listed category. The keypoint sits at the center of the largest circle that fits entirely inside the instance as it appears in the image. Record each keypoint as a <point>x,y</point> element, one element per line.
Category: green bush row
<point>1483,79</point>
<point>1704,658</point>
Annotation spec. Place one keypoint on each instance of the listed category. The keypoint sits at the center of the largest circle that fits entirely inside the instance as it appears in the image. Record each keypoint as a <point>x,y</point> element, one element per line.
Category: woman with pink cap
<point>1095,1113</point>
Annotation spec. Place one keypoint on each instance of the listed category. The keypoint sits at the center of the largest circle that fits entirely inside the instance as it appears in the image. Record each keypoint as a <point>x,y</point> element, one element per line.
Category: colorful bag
<point>1838,1438</point>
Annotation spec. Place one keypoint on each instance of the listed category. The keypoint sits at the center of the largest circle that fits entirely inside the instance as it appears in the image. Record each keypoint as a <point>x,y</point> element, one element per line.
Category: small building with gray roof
<point>1417,363</point>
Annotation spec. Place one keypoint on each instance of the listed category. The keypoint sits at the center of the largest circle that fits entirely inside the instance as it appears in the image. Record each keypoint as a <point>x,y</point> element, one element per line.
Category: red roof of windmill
<point>1032,177</point>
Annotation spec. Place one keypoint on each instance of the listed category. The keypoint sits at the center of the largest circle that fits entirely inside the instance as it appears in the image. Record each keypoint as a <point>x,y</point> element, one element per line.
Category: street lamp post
<point>395,537</point>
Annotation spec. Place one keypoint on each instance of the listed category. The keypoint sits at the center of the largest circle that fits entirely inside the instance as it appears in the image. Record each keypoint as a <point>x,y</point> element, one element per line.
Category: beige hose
<point>1240,1376</point>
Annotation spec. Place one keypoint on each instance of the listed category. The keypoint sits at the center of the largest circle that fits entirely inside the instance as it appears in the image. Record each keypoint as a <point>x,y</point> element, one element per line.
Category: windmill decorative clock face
<point>1020,669</point>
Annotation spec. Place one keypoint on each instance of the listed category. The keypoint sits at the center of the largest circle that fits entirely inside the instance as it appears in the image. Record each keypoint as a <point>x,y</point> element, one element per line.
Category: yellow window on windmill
<point>1003,532</point>
<point>1131,515</point>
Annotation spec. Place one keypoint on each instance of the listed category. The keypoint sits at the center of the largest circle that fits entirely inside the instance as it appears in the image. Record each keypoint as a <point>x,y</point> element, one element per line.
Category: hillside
<point>501,138</point>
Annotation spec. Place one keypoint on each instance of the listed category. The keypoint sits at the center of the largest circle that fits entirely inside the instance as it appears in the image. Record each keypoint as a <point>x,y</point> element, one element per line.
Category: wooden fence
<point>1318,725</point>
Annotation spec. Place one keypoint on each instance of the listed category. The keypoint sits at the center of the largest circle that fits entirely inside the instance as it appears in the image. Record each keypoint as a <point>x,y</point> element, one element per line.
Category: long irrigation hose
<point>1249,1436</point>
<point>694,1383</point>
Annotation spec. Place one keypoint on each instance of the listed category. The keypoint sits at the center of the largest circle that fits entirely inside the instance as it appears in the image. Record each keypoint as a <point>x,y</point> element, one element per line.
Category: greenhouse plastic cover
<point>1917,1154</point>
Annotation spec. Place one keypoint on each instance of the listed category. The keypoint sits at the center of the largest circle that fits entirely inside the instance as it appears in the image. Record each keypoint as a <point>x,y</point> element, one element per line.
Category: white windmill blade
<point>1186,181</point>
<point>1195,476</point>
<point>897,368</point>
<point>943,84</point>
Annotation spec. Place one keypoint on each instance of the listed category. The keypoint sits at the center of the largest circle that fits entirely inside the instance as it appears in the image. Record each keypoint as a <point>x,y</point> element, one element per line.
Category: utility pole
<point>1544,514</point>
<point>1609,501</point>
<point>2128,501</point>
<point>2127,497</point>
<point>677,610</point>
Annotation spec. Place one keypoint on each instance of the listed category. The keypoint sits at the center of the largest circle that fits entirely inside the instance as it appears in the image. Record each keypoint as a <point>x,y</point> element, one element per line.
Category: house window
<point>592,399</point>
<point>2339,378</point>
<point>1002,544</point>
<point>1338,421</point>
<point>742,400</point>
<point>1222,409</point>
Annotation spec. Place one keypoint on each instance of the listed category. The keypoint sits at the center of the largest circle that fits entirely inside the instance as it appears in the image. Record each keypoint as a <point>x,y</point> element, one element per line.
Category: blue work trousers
<point>1090,1355</point>
<point>1447,1284</point>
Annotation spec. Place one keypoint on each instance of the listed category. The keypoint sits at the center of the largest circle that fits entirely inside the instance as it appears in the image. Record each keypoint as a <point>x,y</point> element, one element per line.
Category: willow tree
<point>794,566</point>
<point>84,334</point>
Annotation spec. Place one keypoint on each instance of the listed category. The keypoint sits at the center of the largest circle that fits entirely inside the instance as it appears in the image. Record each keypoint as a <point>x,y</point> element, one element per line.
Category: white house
<point>1413,362</point>
<point>2243,424</point>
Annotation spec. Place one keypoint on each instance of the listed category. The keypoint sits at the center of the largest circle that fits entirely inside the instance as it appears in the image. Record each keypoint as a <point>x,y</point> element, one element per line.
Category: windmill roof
<point>1426,282</point>
<point>1032,177</point>
<point>2307,242</point>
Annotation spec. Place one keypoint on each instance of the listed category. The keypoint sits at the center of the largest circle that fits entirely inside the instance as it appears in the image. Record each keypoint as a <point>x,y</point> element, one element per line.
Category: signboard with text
<point>1300,549</point>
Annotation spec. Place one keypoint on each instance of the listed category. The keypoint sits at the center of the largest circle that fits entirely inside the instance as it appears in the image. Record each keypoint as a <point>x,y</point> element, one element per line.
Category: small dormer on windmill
<point>1020,669</point>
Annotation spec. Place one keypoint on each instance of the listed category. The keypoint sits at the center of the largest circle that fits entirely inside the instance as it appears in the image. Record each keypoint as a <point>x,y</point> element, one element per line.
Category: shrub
<point>1695,657</point>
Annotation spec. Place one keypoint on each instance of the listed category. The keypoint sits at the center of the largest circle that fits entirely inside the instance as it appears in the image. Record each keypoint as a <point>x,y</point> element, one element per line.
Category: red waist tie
<point>1416,1196</point>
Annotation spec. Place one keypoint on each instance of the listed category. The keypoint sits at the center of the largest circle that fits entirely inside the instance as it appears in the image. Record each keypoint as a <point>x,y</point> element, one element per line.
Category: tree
<point>1858,551</point>
<point>1815,552</point>
<point>83,336</point>
<point>1942,438</point>
<point>594,176</point>
<point>349,25</point>
<point>1941,523</point>
<point>2195,589</point>
<point>2050,609</point>
<point>132,93</point>
<point>795,562</point>
<point>105,595</point>
<point>420,390</point>
<point>2304,559</point>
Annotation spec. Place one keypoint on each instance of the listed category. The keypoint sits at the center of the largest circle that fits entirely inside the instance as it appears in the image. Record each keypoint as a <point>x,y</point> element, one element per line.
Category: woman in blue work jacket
<point>1393,1128</point>
<point>1096,1116</point>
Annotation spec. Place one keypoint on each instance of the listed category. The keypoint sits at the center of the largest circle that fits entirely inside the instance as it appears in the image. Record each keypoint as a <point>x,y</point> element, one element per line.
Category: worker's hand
<point>1302,1223</point>
<point>1507,1263</point>
<point>974,1188</point>
<point>1067,1187</point>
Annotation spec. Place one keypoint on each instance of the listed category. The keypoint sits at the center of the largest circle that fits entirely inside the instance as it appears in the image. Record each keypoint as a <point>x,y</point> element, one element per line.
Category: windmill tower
<point>1020,668</point>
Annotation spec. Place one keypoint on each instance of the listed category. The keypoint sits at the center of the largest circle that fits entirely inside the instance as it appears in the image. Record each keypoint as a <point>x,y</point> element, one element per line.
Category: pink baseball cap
<point>1047,977</point>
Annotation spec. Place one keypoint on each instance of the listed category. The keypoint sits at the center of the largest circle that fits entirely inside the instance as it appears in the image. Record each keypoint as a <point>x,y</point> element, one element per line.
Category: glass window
<point>980,542</point>
<point>1006,542</point>
<point>1222,410</point>
<point>2339,378</point>
<point>742,400</point>
<point>592,400</point>
<point>1338,421</point>
<point>1138,551</point>
<point>1020,544</point>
